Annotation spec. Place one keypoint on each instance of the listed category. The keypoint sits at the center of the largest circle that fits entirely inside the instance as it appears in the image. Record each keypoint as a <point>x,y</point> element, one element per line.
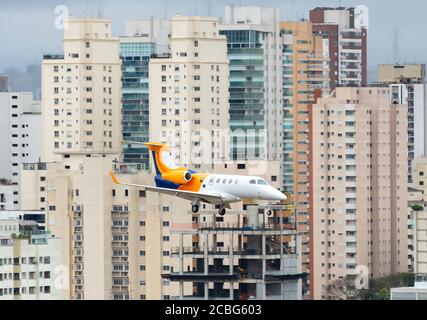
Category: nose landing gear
<point>195,208</point>
<point>222,211</point>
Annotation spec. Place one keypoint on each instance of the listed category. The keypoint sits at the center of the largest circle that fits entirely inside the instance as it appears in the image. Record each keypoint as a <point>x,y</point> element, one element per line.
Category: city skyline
<point>276,168</point>
<point>385,17</point>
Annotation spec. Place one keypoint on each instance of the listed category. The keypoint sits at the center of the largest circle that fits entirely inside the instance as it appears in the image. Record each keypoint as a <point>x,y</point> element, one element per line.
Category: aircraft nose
<point>277,195</point>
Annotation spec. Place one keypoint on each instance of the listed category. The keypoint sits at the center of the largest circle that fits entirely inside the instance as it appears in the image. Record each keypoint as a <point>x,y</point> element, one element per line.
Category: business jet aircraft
<point>199,187</point>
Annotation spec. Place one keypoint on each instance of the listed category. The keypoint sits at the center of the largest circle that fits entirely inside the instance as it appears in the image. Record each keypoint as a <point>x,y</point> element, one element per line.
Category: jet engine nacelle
<point>178,176</point>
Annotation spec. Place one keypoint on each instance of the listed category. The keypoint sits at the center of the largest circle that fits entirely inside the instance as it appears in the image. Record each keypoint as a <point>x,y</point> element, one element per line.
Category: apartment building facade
<point>254,52</point>
<point>189,92</point>
<point>30,267</point>
<point>305,78</point>
<point>81,91</point>
<point>359,199</point>
<point>21,140</point>
<point>347,45</point>
<point>407,86</point>
<point>143,40</point>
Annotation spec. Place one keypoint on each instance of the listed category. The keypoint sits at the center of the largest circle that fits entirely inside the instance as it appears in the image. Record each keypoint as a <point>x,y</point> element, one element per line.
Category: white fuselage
<point>236,188</point>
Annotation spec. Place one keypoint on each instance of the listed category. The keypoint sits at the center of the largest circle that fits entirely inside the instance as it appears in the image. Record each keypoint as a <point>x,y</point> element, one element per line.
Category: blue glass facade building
<point>135,99</point>
<point>246,56</point>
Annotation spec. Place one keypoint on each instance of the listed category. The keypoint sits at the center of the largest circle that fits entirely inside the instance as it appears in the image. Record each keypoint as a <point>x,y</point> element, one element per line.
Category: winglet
<point>114,178</point>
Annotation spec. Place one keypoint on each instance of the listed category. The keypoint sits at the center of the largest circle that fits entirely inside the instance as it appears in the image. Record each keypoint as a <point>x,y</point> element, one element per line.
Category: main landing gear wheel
<point>195,208</point>
<point>222,211</point>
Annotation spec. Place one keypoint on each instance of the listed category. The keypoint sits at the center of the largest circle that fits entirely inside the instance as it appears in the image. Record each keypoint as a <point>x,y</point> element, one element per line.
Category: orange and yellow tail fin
<point>161,157</point>
<point>113,177</point>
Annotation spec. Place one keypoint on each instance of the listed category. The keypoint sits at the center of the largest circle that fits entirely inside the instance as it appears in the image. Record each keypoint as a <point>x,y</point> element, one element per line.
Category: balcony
<point>128,168</point>
<point>53,56</point>
<point>288,227</point>
<point>161,55</point>
<point>35,166</point>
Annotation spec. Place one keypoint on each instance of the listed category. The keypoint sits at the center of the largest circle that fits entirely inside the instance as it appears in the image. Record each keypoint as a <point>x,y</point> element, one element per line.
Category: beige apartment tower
<point>359,187</point>
<point>82,90</point>
<point>305,77</point>
<point>189,92</point>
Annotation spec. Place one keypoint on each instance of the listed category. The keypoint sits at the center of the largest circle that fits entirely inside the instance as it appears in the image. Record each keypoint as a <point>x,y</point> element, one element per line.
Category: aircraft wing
<point>188,195</point>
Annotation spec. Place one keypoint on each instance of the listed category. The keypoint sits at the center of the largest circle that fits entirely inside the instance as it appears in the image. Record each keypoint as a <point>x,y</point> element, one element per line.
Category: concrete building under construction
<point>248,254</point>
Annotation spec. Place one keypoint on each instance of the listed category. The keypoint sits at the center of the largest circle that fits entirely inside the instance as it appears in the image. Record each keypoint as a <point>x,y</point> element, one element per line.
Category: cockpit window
<point>252,182</point>
<point>262,182</point>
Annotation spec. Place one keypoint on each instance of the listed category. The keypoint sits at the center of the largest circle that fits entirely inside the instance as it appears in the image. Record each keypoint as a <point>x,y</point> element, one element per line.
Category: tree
<point>379,288</point>
<point>4,181</point>
<point>417,207</point>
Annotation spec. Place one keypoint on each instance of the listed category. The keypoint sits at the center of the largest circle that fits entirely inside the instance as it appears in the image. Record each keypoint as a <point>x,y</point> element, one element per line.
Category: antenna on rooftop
<point>396,53</point>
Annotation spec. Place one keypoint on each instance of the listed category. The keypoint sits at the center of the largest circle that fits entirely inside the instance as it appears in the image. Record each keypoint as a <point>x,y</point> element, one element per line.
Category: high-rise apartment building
<point>347,45</point>
<point>420,176</point>
<point>358,187</point>
<point>31,265</point>
<point>305,78</point>
<point>407,86</point>
<point>82,91</point>
<point>110,244</point>
<point>417,231</point>
<point>189,92</point>
<point>401,73</point>
<point>144,39</point>
<point>8,195</point>
<point>20,129</point>
<point>254,52</point>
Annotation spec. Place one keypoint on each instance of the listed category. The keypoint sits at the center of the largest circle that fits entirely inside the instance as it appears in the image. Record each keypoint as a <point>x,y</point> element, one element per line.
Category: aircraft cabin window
<point>262,182</point>
<point>211,180</point>
<point>236,182</point>
<point>224,181</point>
<point>252,182</point>
<point>218,180</point>
<point>230,181</point>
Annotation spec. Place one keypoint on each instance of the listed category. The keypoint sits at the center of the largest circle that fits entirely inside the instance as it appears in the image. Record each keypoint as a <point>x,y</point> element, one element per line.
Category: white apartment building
<point>27,215</point>
<point>359,185</point>
<point>21,140</point>
<point>414,95</point>
<point>254,50</point>
<point>8,196</point>
<point>188,98</point>
<point>81,91</point>
<point>30,268</point>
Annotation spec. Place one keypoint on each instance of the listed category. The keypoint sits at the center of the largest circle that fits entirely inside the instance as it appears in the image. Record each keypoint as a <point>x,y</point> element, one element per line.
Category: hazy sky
<point>27,26</point>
